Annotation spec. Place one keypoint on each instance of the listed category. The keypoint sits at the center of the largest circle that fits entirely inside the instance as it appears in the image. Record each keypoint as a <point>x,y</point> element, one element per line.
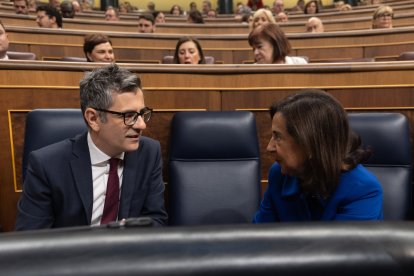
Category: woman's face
<point>383,21</point>
<point>263,52</point>
<point>176,11</point>
<point>188,53</point>
<point>260,20</point>
<point>288,153</point>
<point>160,18</point>
<point>102,53</point>
<point>311,8</point>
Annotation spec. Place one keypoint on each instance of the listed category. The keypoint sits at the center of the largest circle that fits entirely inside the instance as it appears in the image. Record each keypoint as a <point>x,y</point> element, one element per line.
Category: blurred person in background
<point>314,25</point>
<point>146,23</point>
<point>159,17</point>
<point>66,9</point>
<point>195,17</point>
<point>382,18</point>
<point>48,17</point>
<point>21,6</point>
<point>261,17</point>
<point>281,17</point>
<point>188,51</point>
<point>112,14</point>
<point>98,48</point>
<point>270,46</point>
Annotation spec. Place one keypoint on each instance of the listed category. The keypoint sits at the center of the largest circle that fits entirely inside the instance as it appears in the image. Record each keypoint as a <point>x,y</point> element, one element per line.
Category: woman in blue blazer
<point>317,175</point>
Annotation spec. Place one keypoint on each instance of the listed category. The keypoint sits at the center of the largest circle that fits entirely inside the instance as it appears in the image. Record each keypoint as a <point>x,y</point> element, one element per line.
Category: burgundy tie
<point>110,211</point>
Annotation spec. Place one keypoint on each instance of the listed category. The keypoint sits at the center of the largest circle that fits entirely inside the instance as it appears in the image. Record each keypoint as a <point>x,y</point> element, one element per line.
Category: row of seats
<point>32,56</point>
<point>169,59</point>
<point>215,155</point>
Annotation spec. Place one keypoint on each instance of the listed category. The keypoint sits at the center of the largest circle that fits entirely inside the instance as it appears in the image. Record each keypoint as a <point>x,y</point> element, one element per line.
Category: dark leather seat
<point>170,59</point>
<point>214,170</point>
<point>388,136</point>
<point>21,55</point>
<point>48,126</point>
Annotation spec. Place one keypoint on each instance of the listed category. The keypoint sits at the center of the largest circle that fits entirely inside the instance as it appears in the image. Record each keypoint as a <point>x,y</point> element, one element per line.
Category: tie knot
<point>113,163</point>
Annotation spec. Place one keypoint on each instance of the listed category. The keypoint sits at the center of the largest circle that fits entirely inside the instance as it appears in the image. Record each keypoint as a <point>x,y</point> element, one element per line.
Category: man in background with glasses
<point>108,174</point>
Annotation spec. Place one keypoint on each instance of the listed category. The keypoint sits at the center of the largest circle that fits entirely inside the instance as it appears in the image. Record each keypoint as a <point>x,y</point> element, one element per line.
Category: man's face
<point>20,7</point>
<point>113,136</point>
<point>43,20</point>
<point>145,26</point>
<point>206,7</point>
<point>4,42</point>
<point>110,15</point>
<point>278,6</point>
<point>314,26</point>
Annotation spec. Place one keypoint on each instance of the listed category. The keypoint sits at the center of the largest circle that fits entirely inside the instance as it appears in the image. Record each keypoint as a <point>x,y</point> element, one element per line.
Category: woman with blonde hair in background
<point>382,18</point>
<point>263,16</point>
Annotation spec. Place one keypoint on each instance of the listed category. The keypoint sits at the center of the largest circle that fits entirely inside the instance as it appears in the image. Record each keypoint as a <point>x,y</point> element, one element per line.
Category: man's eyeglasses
<point>131,117</point>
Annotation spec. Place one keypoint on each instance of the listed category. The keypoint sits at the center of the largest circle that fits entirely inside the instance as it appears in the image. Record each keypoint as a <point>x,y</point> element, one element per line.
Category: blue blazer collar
<point>290,186</point>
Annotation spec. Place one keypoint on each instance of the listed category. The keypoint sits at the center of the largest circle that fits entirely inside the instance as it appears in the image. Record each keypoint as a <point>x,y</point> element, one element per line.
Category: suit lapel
<point>82,173</point>
<point>131,159</point>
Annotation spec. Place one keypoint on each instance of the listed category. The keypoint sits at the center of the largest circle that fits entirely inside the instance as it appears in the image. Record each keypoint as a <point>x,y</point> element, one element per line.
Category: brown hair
<point>275,36</point>
<point>91,41</point>
<point>305,10</point>
<point>319,125</point>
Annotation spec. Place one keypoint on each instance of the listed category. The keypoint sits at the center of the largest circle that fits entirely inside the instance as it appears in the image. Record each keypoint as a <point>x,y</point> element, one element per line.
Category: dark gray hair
<point>98,86</point>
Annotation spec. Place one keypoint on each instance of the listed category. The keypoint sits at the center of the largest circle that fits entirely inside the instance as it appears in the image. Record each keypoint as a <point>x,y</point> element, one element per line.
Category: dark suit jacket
<point>57,191</point>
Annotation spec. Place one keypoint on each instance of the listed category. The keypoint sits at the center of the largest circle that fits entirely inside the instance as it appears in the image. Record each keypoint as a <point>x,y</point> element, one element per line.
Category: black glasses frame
<point>145,111</point>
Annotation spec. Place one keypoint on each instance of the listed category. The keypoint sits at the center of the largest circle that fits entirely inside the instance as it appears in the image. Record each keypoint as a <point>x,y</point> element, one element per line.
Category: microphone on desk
<point>131,222</point>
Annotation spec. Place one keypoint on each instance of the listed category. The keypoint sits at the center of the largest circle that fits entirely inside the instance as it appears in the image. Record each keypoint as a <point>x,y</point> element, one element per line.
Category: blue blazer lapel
<point>82,173</point>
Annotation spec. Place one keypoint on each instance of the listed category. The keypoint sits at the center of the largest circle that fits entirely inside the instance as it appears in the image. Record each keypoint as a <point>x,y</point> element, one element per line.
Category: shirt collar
<point>98,156</point>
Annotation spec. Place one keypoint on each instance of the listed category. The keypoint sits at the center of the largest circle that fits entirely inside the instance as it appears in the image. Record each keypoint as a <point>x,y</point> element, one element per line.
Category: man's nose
<point>140,123</point>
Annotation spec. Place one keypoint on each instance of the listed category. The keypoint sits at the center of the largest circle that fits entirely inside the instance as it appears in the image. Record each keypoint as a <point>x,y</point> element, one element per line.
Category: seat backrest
<point>406,56</point>
<point>214,168</point>
<point>48,126</point>
<point>74,59</point>
<point>388,136</point>
<point>21,55</point>
<point>170,59</point>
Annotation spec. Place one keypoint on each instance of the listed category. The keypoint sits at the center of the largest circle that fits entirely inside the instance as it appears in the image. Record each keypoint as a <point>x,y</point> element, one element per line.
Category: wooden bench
<point>381,44</point>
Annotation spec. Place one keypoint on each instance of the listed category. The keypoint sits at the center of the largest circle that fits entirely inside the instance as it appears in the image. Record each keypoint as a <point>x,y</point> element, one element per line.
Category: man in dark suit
<point>66,183</point>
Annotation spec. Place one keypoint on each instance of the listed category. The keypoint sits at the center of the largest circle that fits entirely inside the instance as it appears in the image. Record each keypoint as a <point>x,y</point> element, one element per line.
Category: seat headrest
<point>387,134</point>
<point>406,56</point>
<point>214,135</point>
<point>74,59</point>
<point>170,59</point>
<point>21,55</point>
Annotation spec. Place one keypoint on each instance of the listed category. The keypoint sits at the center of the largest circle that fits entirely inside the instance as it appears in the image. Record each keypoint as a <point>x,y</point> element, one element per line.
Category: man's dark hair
<point>148,17</point>
<point>67,10</point>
